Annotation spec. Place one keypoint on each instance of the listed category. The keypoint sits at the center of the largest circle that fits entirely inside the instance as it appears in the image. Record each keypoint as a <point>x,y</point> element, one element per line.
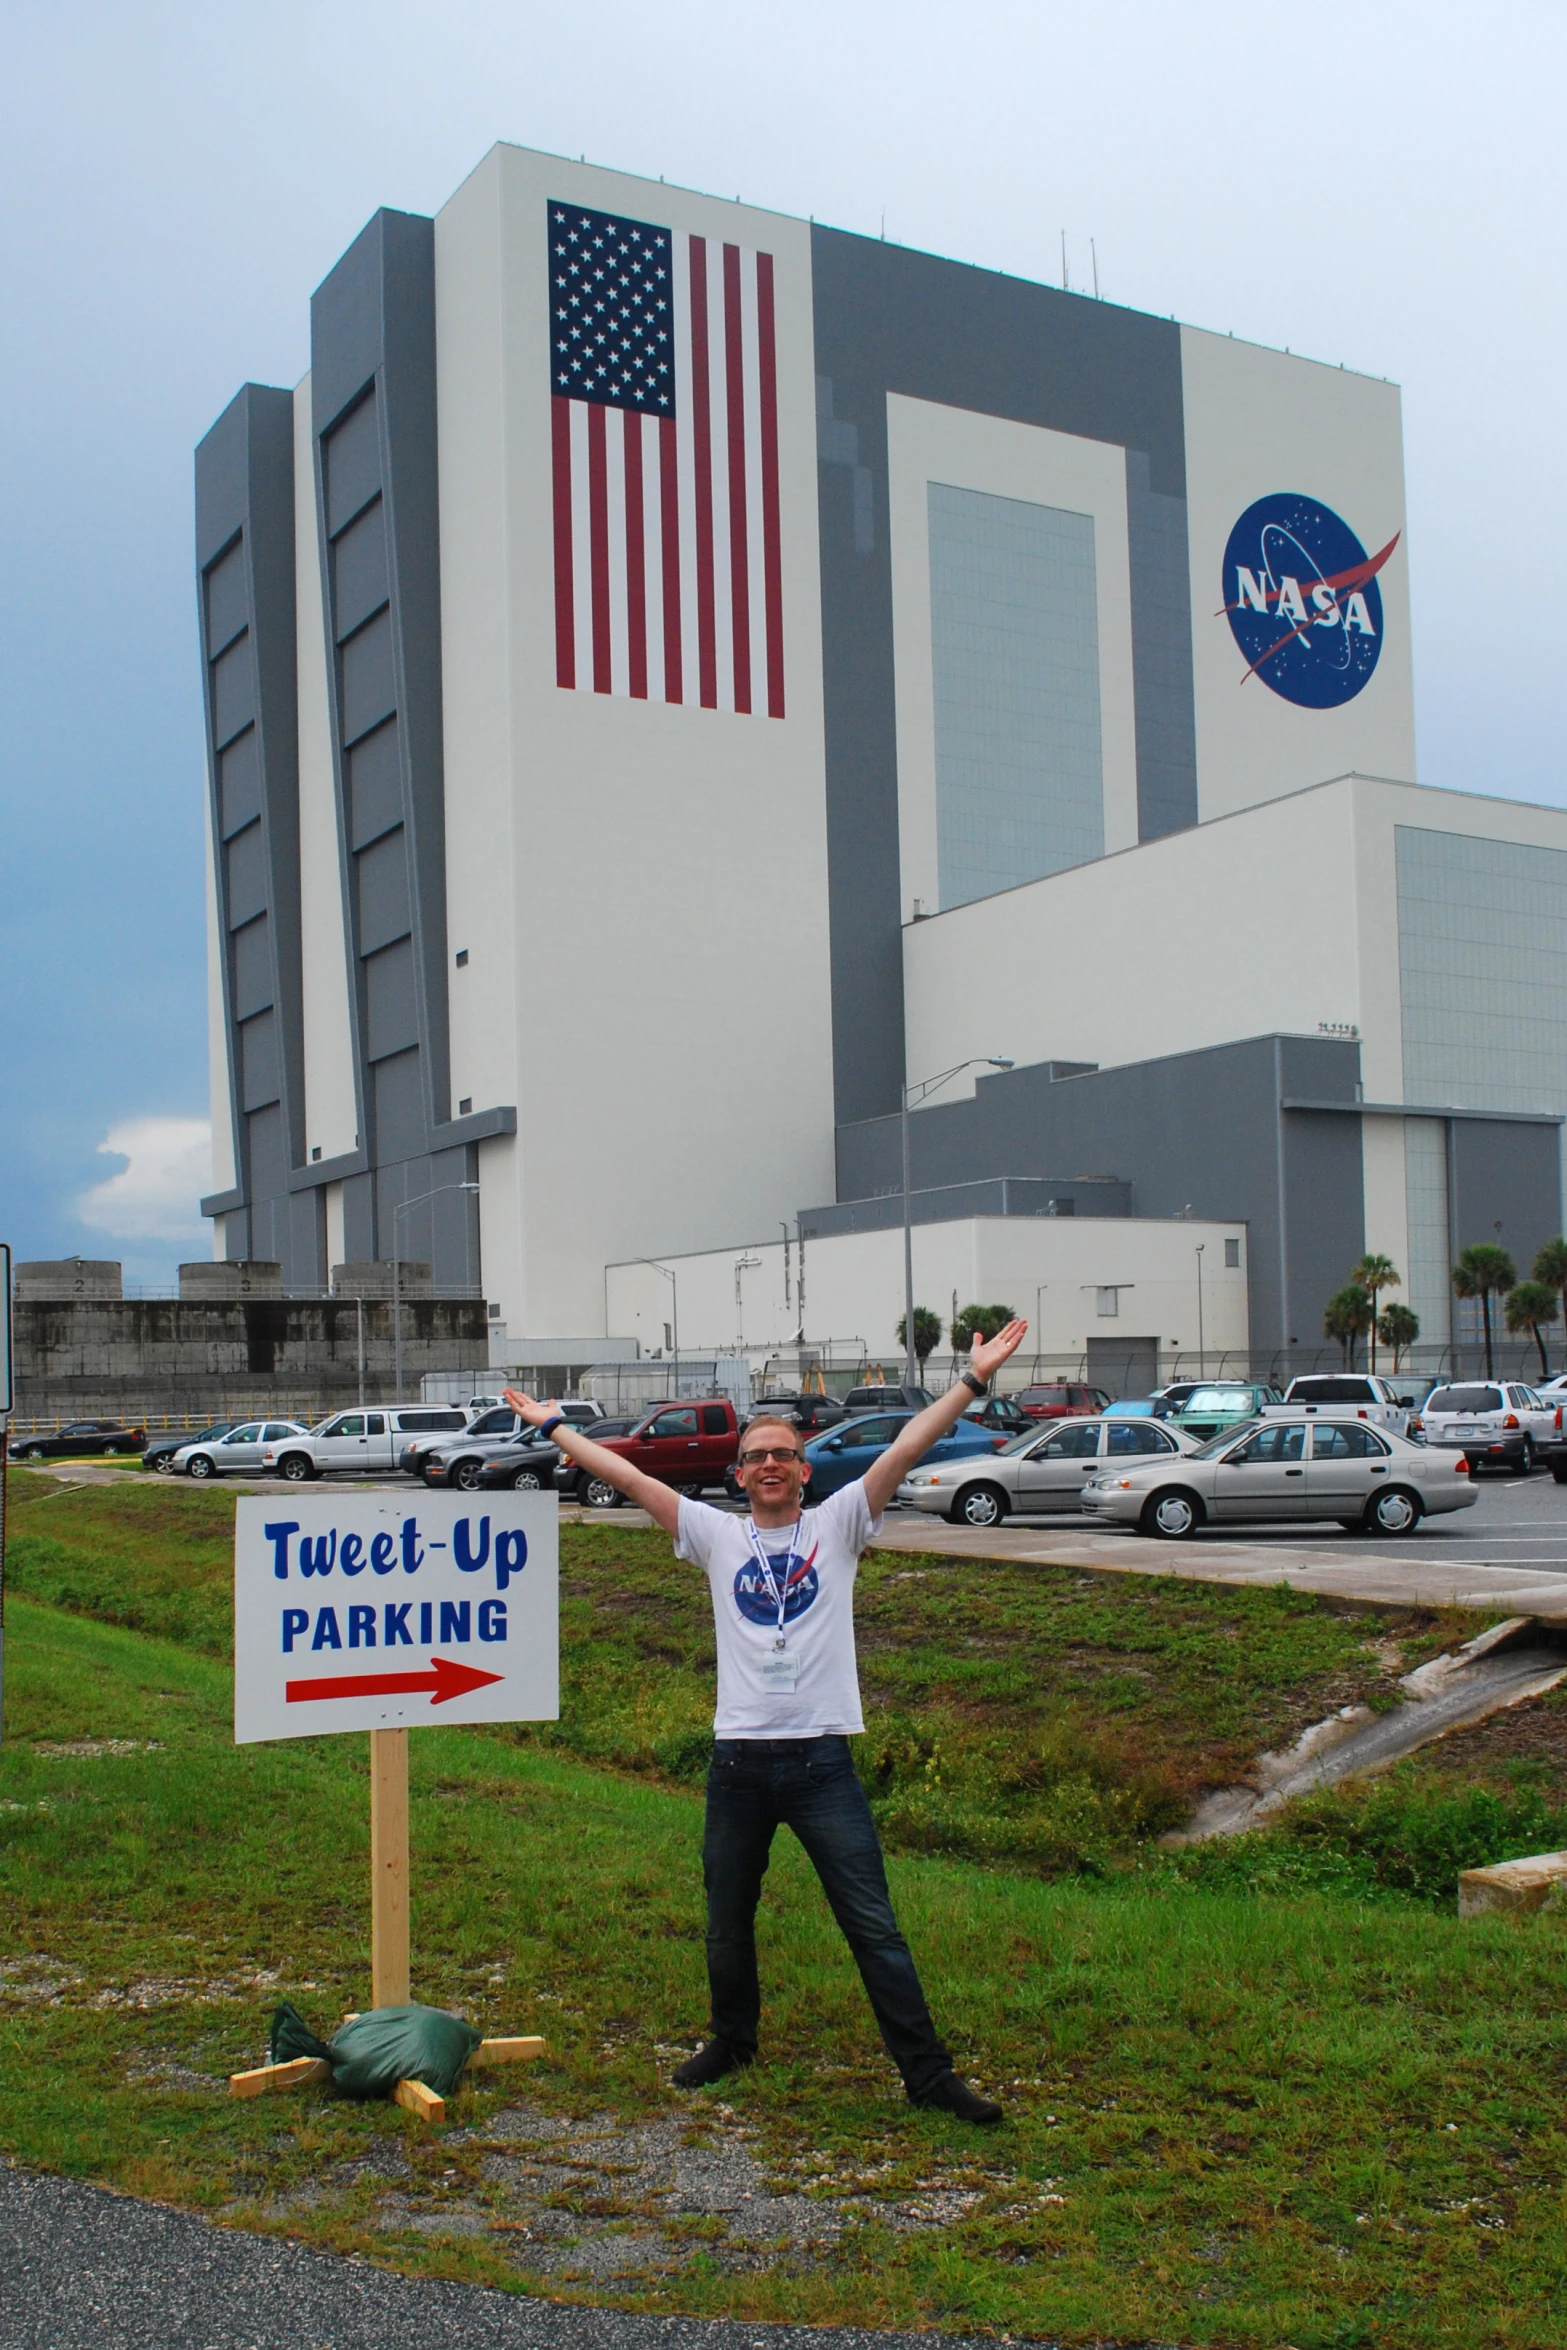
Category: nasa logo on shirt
<point>1302,600</point>
<point>757,1598</point>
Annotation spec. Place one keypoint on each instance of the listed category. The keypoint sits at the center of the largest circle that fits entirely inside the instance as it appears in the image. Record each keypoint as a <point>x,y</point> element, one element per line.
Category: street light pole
<point>401,1209</point>
<point>1201,1348</point>
<point>674,1309</point>
<point>910,1097</point>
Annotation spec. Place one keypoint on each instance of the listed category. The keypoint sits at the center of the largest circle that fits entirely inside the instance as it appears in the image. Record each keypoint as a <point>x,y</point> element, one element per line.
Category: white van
<point>360,1442</point>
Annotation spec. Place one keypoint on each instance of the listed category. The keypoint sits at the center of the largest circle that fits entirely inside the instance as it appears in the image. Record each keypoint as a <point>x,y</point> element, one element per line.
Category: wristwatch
<point>979,1386</point>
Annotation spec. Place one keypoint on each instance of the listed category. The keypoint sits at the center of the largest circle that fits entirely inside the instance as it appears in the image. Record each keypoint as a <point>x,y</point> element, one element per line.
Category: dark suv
<point>887,1399</point>
<point>808,1412</point>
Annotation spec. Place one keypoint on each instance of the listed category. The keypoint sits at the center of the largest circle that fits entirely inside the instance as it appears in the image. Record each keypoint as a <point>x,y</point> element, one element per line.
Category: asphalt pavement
<point>81,2269</point>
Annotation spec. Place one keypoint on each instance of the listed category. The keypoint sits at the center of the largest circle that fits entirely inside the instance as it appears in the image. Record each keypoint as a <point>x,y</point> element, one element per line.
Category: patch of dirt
<point>94,1749</point>
<point>1534,1732</point>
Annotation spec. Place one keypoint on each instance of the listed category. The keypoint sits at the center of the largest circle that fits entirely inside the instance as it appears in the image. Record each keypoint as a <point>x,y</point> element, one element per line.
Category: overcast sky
<point>1379,184</point>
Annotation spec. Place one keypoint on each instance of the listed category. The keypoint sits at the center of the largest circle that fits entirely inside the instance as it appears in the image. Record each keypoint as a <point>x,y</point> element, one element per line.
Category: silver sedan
<point>1043,1469</point>
<point>1369,1479</point>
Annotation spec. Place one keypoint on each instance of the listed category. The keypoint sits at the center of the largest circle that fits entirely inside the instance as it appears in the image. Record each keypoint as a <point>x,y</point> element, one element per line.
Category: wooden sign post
<point>360,1612</point>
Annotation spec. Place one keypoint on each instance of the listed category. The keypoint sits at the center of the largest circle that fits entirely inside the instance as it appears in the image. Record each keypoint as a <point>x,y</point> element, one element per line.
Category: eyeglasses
<point>771,1452</point>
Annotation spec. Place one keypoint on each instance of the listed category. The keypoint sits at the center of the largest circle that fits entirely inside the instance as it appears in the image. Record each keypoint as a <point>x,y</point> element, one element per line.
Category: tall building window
<point>1015,664</point>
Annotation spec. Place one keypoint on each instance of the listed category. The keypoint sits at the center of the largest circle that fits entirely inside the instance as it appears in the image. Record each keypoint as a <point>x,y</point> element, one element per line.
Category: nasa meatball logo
<point>1302,600</point>
<point>757,1597</point>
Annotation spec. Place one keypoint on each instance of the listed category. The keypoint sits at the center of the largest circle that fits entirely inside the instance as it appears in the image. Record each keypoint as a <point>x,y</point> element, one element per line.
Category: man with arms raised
<point>782,1584</point>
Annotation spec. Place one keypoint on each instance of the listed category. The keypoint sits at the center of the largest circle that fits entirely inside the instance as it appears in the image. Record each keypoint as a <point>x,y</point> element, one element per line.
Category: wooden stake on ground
<point>292,2075</point>
<point>515,2051</point>
<point>389,1869</point>
<point>414,2097</point>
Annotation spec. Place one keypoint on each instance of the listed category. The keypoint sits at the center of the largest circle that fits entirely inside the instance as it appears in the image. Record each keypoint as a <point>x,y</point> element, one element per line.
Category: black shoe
<point>952,2094</point>
<point>709,2064</point>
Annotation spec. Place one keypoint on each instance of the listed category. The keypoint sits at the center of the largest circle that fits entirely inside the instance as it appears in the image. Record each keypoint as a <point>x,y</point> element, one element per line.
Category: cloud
<point>154,1196</point>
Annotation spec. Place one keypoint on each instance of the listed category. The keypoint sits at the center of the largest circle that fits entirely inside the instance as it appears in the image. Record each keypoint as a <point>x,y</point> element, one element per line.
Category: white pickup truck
<point>360,1442</point>
<point>1364,1393</point>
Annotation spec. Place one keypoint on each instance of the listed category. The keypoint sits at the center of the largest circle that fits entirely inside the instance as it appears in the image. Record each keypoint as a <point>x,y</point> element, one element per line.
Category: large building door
<point>1123,1366</point>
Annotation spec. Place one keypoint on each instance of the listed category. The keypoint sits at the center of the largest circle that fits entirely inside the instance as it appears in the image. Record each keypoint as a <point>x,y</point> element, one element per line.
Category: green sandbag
<point>382,2047</point>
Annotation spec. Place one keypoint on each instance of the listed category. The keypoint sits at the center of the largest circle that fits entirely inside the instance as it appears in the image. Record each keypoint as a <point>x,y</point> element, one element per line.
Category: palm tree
<point>1481,1271</point>
<point>1374,1274</point>
<point>1551,1265</point>
<point>1345,1316</point>
<point>1526,1307</point>
<point>1398,1328</point>
<point>927,1333</point>
<point>985,1321</point>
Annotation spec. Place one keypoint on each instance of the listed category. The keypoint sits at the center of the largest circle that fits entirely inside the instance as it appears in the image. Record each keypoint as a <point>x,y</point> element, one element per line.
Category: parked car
<point>1369,1479</point>
<point>1002,1413</point>
<point>1499,1423</point>
<point>686,1445</point>
<point>241,1453</point>
<point>1061,1401</point>
<point>842,1454</point>
<point>357,1443</point>
<point>809,1412</point>
<point>78,1440</point>
<point>1369,1395</point>
<point>159,1451</point>
<point>879,1398</point>
<point>1139,1407</point>
<point>527,1462</point>
<point>1209,1411</point>
<point>1044,1469</point>
<point>437,1458</point>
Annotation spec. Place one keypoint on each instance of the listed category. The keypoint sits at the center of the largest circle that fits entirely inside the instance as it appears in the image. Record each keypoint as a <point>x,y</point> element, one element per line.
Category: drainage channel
<point>1513,1661</point>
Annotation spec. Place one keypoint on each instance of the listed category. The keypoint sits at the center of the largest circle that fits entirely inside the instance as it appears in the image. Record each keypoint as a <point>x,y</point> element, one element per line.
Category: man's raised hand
<point>525,1407</point>
<point>987,1355</point>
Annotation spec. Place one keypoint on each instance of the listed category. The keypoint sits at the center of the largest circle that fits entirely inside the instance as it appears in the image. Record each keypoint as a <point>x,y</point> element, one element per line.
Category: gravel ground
<point>81,2269</point>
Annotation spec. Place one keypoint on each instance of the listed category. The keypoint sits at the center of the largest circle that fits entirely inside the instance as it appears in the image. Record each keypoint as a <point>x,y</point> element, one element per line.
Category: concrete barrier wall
<point>154,1356</point>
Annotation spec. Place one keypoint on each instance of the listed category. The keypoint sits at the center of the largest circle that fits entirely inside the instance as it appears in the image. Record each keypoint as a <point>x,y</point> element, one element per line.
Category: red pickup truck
<point>686,1445</point>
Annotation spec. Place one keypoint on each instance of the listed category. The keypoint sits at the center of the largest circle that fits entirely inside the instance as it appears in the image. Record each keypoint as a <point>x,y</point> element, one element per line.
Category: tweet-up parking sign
<point>375,1611</point>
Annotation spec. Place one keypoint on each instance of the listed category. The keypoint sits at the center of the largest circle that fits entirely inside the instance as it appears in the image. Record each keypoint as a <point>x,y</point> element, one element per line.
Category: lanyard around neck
<point>779,1589</point>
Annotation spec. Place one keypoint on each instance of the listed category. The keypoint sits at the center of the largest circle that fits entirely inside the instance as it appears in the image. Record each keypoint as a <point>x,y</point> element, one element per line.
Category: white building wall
<point>1282,917</point>
<point>1259,422</point>
<point>1050,1269</point>
<point>638,873</point>
<point>331,1119</point>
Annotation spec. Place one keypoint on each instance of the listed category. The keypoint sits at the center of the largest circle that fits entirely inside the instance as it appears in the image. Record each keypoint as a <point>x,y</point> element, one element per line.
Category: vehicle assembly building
<point>676,675</point>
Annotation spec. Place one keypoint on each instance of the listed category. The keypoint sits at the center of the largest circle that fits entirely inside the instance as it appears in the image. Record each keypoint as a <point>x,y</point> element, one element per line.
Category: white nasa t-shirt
<point>785,1619</point>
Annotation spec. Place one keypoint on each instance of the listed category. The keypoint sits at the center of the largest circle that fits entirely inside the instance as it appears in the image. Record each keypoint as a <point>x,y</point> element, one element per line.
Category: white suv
<point>1499,1423</point>
<point>1366,1393</point>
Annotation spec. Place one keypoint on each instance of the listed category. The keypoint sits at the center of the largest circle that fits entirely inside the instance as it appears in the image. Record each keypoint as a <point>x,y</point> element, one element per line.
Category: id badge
<point>781,1673</point>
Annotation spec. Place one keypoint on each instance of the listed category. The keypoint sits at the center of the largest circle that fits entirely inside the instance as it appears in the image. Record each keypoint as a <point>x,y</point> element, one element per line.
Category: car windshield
<point>1464,1399</point>
<point>1222,1443</point>
<point>1019,1443</point>
<point>1221,1399</point>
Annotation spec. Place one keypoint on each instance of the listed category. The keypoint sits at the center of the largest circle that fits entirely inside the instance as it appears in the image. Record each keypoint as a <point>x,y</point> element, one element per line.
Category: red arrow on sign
<point>443,1679</point>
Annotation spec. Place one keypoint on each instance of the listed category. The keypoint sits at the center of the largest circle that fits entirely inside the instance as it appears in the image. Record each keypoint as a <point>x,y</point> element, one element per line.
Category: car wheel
<point>1526,1458</point>
<point>1393,1511</point>
<point>979,1505</point>
<point>691,1489</point>
<point>111,1452</point>
<point>295,1468</point>
<point>1173,1514</point>
<point>31,1452</point>
<point>1559,1472</point>
<point>599,1494</point>
<point>527,1481</point>
<point>201,1464</point>
<point>465,1477</point>
<point>163,1466</point>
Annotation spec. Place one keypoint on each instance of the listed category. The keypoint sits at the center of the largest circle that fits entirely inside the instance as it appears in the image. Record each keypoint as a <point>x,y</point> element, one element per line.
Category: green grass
<point>1032,1716</point>
<point>1304,2118</point>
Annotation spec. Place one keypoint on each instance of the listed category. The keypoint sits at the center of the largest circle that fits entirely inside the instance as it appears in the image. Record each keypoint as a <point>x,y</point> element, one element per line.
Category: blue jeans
<point>756,1785</point>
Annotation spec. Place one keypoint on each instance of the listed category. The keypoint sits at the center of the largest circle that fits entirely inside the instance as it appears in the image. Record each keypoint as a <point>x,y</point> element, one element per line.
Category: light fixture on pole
<point>1201,1354</point>
<point>910,1098</point>
<point>743,1264</point>
<point>401,1209</point>
<point>674,1310</point>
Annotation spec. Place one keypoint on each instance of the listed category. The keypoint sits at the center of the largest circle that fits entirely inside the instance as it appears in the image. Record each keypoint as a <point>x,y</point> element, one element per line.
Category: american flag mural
<point>664,404</point>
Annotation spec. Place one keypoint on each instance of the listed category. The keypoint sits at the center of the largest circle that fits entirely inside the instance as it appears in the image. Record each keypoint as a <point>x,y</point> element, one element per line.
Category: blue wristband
<point>548,1427</point>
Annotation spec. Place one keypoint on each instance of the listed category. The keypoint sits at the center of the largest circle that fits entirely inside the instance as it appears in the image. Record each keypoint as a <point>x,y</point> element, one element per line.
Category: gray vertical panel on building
<point>245,571</point>
<point>1506,1173</point>
<point>373,397</point>
<point>1164,705</point>
<point>888,320</point>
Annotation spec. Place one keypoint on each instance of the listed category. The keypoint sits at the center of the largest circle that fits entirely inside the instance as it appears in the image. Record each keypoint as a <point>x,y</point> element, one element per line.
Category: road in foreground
<point>81,2269</point>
